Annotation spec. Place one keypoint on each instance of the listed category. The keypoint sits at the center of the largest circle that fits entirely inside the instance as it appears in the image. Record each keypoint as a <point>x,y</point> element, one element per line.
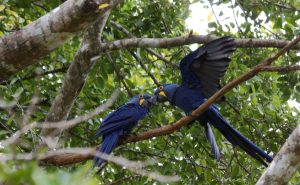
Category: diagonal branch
<point>76,75</point>
<point>287,68</point>
<point>119,75</point>
<point>168,129</point>
<point>137,58</point>
<point>24,47</point>
<point>285,163</point>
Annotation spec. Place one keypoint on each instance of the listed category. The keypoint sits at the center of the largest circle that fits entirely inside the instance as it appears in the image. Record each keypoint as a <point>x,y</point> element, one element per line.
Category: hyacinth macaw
<point>201,72</point>
<point>120,122</point>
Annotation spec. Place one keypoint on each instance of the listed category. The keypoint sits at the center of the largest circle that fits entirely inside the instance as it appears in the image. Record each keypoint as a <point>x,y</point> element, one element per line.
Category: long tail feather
<point>108,144</point>
<point>211,138</point>
<point>236,138</point>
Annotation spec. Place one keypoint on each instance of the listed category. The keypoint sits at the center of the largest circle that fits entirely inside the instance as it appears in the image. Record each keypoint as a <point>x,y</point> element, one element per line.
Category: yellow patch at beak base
<point>142,101</point>
<point>162,93</point>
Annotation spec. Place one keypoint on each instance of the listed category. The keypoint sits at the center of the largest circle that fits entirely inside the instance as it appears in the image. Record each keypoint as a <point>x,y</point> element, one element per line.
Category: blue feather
<point>188,99</point>
<point>119,123</point>
<point>108,144</point>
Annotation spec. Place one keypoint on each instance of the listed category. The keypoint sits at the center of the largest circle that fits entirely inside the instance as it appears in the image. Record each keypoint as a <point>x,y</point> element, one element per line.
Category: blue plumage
<point>120,122</point>
<point>201,72</point>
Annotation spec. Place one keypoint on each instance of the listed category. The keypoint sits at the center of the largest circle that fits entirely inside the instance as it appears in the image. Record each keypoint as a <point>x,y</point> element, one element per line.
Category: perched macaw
<point>201,72</point>
<point>120,122</point>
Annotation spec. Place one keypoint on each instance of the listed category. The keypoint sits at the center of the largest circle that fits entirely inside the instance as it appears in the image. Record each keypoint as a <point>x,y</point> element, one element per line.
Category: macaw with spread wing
<point>120,122</point>
<point>201,72</point>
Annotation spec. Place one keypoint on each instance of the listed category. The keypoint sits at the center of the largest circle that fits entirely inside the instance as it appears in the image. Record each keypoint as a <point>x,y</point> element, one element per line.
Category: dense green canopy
<point>258,108</point>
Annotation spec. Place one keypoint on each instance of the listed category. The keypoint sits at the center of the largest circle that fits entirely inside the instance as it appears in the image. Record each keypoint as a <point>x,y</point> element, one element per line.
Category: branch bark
<point>76,74</point>
<point>168,129</point>
<point>285,163</point>
<point>26,46</point>
<point>287,68</point>
<point>190,39</point>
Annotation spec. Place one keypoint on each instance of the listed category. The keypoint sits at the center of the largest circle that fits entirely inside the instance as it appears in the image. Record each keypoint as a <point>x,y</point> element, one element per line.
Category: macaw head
<point>144,100</point>
<point>164,93</point>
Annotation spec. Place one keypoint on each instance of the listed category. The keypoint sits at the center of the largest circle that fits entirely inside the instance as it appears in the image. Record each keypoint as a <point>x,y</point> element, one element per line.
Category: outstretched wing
<point>206,66</point>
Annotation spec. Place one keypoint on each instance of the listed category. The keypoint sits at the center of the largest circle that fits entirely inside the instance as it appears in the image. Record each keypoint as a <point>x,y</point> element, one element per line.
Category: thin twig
<point>119,74</point>
<point>212,9</point>
<point>62,125</point>
<point>59,70</point>
<point>137,58</point>
<point>149,50</point>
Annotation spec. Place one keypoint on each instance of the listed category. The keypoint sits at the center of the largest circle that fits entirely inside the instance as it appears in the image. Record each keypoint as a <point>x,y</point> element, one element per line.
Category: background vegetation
<point>260,108</point>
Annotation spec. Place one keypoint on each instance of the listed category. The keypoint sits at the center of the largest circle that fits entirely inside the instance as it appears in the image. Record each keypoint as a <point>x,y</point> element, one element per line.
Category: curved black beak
<point>161,97</point>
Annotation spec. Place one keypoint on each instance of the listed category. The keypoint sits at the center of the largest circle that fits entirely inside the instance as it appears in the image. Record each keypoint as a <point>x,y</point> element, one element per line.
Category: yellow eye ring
<point>161,87</point>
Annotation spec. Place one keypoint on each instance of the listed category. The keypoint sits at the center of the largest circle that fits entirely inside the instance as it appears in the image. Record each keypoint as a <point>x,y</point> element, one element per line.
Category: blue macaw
<point>120,122</point>
<point>201,72</point>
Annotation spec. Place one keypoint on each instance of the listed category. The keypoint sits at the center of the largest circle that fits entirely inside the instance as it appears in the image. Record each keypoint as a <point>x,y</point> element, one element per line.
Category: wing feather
<point>124,117</point>
<point>207,65</point>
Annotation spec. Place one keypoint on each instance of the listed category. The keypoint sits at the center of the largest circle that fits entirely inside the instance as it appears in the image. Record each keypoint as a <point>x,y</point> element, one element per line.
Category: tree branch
<point>149,50</point>
<point>24,47</point>
<point>287,68</point>
<point>59,70</point>
<point>190,39</point>
<point>285,163</point>
<point>76,75</point>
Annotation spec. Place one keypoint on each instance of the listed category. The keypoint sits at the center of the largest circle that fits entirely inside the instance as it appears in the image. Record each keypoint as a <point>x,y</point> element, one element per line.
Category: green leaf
<point>212,25</point>
<point>278,23</point>
<point>18,92</point>
<point>1,7</point>
<point>102,6</point>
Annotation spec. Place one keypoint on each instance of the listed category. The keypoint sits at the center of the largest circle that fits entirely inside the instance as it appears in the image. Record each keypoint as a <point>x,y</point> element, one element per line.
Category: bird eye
<point>141,96</point>
<point>161,87</point>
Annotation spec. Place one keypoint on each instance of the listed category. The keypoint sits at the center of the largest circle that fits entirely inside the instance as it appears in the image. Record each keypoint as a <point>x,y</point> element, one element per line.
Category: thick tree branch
<point>190,39</point>
<point>24,47</point>
<point>168,129</point>
<point>76,74</point>
<point>285,163</point>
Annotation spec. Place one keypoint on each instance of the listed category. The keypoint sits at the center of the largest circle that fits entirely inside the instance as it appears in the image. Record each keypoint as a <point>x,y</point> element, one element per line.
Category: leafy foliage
<point>261,111</point>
